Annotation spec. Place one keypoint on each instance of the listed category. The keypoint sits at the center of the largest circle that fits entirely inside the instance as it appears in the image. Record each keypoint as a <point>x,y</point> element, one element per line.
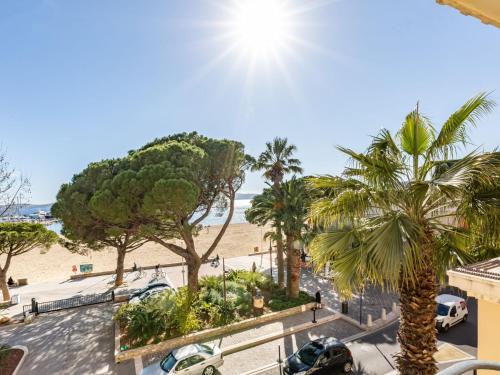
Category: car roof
<point>187,351</point>
<point>448,299</point>
<point>329,342</point>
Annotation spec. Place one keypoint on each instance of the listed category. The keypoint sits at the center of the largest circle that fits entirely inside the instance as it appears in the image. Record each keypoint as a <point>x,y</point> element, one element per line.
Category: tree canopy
<point>17,239</point>
<point>102,206</point>
<point>183,178</point>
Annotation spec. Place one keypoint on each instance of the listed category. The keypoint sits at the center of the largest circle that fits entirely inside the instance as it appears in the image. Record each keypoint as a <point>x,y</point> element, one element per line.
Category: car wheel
<point>464,319</point>
<point>210,370</point>
<point>446,328</point>
<point>347,367</point>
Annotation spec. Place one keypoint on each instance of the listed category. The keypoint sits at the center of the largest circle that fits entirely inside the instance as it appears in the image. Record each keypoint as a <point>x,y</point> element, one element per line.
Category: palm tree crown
<point>277,160</point>
<point>404,211</point>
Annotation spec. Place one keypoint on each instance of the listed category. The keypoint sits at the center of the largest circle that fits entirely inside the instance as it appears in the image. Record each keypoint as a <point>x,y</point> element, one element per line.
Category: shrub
<point>151,318</point>
<point>279,300</point>
<point>251,280</point>
<point>171,314</point>
<point>185,315</point>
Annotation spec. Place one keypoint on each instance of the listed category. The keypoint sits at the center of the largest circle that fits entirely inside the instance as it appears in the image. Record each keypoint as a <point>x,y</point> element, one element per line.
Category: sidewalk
<point>75,341</point>
<point>67,288</point>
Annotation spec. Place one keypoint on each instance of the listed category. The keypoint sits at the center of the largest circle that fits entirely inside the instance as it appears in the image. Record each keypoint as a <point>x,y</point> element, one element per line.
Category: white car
<point>450,311</point>
<point>195,359</point>
<point>148,291</point>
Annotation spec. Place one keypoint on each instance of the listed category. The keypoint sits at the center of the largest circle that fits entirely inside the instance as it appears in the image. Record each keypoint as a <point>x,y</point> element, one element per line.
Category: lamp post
<point>280,362</point>
<point>224,280</point>
<point>183,272</point>
<point>361,305</point>
<point>271,264</point>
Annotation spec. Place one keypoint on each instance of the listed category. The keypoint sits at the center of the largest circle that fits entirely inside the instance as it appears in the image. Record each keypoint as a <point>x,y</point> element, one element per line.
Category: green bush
<point>238,300</point>
<point>251,280</point>
<point>279,301</point>
<point>151,318</point>
<point>185,317</point>
<point>170,314</point>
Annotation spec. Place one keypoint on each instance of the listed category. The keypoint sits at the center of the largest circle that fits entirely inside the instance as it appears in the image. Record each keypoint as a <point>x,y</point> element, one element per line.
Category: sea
<point>215,218</point>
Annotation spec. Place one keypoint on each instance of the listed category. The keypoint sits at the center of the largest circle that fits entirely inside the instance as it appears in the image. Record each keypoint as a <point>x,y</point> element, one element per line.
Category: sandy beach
<point>56,264</point>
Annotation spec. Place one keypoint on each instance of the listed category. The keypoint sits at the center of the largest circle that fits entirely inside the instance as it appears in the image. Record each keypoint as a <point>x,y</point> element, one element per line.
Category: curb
<point>26,352</point>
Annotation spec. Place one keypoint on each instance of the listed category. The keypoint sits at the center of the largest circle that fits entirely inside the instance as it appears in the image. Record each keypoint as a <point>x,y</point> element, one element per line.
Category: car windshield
<point>168,363</point>
<point>310,353</point>
<point>442,309</point>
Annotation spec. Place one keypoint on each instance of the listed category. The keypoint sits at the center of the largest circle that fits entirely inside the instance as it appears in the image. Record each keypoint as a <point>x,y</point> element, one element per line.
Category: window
<point>453,311</point>
<point>337,354</point>
<point>188,362</point>
<point>183,364</point>
<point>462,305</point>
<point>310,353</point>
<point>442,309</point>
<point>195,359</point>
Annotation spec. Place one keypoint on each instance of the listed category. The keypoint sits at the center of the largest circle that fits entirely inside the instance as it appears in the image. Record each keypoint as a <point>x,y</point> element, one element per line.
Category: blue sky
<point>85,80</point>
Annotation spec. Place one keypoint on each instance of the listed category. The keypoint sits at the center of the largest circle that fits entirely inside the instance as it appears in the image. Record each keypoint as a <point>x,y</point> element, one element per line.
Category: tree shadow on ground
<point>79,340</point>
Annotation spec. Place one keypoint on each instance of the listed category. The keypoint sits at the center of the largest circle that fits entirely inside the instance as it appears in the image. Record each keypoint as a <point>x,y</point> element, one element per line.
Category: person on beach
<point>215,261</point>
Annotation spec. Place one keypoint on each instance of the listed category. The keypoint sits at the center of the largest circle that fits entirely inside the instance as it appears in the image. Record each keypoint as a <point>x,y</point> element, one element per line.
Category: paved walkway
<point>67,288</point>
<point>76,341</point>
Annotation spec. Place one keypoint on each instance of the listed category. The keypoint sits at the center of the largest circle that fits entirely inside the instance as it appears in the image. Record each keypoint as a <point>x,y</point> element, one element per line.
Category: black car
<point>322,356</point>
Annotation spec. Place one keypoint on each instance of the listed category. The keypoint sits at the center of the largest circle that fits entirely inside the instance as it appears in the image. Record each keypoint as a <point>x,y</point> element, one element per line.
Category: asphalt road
<point>373,354</point>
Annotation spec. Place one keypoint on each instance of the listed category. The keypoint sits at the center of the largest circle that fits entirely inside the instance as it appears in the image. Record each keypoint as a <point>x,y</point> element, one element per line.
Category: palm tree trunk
<point>279,256</point>
<point>417,330</point>
<point>294,267</point>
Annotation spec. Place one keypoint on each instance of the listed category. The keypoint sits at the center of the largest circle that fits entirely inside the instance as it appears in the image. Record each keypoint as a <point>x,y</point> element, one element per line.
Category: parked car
<point>450,310</point>
<point>322,356</point>
<point>148,291</point>
<point>195,359</point>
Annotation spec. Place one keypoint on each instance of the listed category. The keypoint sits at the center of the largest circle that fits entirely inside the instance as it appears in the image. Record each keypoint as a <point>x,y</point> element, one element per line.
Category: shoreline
<point>41,265</point>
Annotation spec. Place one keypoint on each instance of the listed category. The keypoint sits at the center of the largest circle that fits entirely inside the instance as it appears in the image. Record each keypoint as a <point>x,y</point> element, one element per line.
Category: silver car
<point>195,359</point>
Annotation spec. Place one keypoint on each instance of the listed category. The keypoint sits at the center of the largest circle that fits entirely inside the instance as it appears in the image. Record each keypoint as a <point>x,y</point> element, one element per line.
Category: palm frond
<point>454,130</point>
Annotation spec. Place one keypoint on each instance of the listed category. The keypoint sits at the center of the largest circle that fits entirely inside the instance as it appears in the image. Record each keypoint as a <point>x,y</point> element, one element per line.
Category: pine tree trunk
<point>120,261</point>
<point>279,256</point>
<point>4,286</point>
<point>193,267</point>
<point>417,330</point>
<point>294,268</point>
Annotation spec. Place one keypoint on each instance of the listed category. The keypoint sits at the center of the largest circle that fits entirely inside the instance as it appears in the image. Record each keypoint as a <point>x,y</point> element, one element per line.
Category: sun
<point>260,28</point>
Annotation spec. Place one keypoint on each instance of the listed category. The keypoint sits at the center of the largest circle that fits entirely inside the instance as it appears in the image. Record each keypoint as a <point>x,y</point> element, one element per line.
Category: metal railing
<point>68,303</point>
<point>474,364</point>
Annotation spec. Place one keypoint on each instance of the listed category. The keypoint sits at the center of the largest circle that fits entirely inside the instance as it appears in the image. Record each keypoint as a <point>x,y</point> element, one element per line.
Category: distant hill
<point>245,195</point>
<point>29,209</point>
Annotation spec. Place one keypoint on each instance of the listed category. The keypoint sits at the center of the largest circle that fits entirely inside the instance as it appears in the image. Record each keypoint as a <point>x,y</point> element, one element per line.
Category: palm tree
<point>402,209</point>
<point>294,213</point>
<point>277,161</point>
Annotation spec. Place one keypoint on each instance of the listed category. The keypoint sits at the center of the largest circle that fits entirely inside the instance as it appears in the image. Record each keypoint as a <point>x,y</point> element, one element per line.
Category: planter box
<point>205,335</point>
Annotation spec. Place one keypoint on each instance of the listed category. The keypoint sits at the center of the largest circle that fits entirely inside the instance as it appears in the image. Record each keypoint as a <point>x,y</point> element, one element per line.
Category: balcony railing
<point>474,364</point>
